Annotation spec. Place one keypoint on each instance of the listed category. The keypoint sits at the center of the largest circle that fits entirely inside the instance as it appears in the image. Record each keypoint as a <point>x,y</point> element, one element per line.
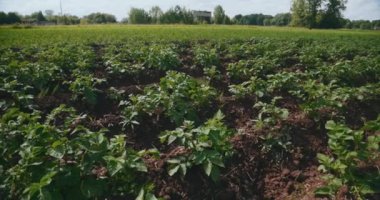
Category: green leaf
<point>183,168</point>
<point>199,158</point>
<point>57,150</point>
<point>215,174</point>
<point>141,167</point>
<point>32,189</point>
<point>46,180</point>
<point>218,161</point>
<point>330,125</point>
<point>141,194</point>
<point>207,167</point>
<point>173,170</point>
<point>324,191</point>
<point>150,196</point>
<point>171,139</point>
<point>113,165</point>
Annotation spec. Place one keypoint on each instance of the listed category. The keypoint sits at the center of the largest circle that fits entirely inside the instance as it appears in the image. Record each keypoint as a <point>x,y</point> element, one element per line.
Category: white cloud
<point>363,9</point>
<point>356,9</point>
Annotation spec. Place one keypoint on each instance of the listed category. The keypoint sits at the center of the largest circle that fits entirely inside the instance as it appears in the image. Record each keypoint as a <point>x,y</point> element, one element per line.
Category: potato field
<point>236,113</point>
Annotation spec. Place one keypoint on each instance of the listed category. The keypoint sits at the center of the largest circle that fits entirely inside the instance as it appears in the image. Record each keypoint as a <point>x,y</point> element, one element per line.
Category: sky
<point>356,9</point>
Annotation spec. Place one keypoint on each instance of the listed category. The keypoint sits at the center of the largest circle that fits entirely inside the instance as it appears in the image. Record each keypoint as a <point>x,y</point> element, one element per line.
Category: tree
<point>304,12</point>
<point>299,13</point>
<point>155,14</point>
<point>281,19</point>
<point>219,15</point>
<point>13,18</point>
<point>227,20</point>
<point>376,24</point>
<point>267,22</point>
<point>138,16</point>
<point>332,16</point>
<point>40,17</point>
<point>253,19</point>
<point>237,19</point>
<point>69,19</point>
<point>177,15</point>
<point>99,18</point>
<point>313,7</point>
<point>3,18</point>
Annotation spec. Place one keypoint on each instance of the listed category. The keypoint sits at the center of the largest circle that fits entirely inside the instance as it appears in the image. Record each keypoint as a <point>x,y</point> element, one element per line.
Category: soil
<point>252,173</point>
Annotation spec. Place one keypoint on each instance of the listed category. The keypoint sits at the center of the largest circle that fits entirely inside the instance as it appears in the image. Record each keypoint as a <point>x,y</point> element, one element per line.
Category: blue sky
<point>356,9</point>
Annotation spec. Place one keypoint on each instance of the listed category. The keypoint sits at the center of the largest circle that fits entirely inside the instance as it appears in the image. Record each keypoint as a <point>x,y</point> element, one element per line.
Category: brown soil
<point>252,173</point>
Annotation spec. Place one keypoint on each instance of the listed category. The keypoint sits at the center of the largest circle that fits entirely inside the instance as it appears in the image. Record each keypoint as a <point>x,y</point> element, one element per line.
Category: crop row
<point>171,97</point>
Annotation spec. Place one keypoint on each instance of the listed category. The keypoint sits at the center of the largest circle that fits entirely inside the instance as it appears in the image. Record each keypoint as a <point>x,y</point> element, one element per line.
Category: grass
<point>119,33</point>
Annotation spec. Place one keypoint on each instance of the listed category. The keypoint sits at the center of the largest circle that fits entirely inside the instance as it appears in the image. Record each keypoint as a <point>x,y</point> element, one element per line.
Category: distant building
<point>202,16</point>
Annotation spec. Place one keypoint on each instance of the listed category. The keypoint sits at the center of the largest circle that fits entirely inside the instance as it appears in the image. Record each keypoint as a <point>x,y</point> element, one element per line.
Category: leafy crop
<point>207,146</point>
<point>58,160</point>
<point>255,86</point>
<point>278,93</point>
<point>244,69</point>
<point>353,156</point>
<point>133,60</point>
<point>270,114</point>
<point>83,88</point>
<point>178,97</point>
<point>206,57</point>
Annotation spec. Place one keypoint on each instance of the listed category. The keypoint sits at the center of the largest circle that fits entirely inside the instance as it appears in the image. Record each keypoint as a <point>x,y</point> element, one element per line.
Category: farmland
<point>189,112</point>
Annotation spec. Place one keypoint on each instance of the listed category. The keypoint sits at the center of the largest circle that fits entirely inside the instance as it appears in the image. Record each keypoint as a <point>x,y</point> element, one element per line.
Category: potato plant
<point>178,97</point>
<point>54,160</point>
<point>352,153</point>
<point>207,146</point>
<point>159,89</point>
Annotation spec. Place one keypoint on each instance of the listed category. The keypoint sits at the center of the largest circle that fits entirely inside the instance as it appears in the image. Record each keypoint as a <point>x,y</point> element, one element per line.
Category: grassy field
<point>189,112</point>
<point>114,33</point>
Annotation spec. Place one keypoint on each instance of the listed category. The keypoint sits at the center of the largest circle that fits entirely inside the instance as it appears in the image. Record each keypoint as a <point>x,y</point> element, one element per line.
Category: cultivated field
<point>189,112</point>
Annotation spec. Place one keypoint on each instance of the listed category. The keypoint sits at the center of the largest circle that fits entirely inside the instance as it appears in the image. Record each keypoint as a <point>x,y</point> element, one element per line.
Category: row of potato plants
<point>51,156</point>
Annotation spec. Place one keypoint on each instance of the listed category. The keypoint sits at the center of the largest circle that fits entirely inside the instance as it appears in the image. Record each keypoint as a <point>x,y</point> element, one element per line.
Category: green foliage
<point>332,16</point>
<point>334,99</point>
<point>159,57</point>
<point>83,88</point>
<point>99,18</point>
<point>279,82</point>
<point>207,146</point>
<point>135,60</point>
<point>60,154</point>
<point>178,96</point>
<point>68,56</point>
<point>270,114</point>
<point>38,72</point>
<point>219,15</point>
<point>306,13</point>
<point>353,152</point>
<point>206,57</point>
<point>313,92</point>
<point>57,160</point>
<point>255,86</point>
<point>245,69</point>
<point>177,15</point>
<point>138,16</point>
<point>357,72</point>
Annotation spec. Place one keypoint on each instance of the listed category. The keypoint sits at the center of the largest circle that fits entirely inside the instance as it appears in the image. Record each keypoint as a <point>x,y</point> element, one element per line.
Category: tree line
<point>181,15</point>
<point>48,17</point>
<point>304,13</point>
